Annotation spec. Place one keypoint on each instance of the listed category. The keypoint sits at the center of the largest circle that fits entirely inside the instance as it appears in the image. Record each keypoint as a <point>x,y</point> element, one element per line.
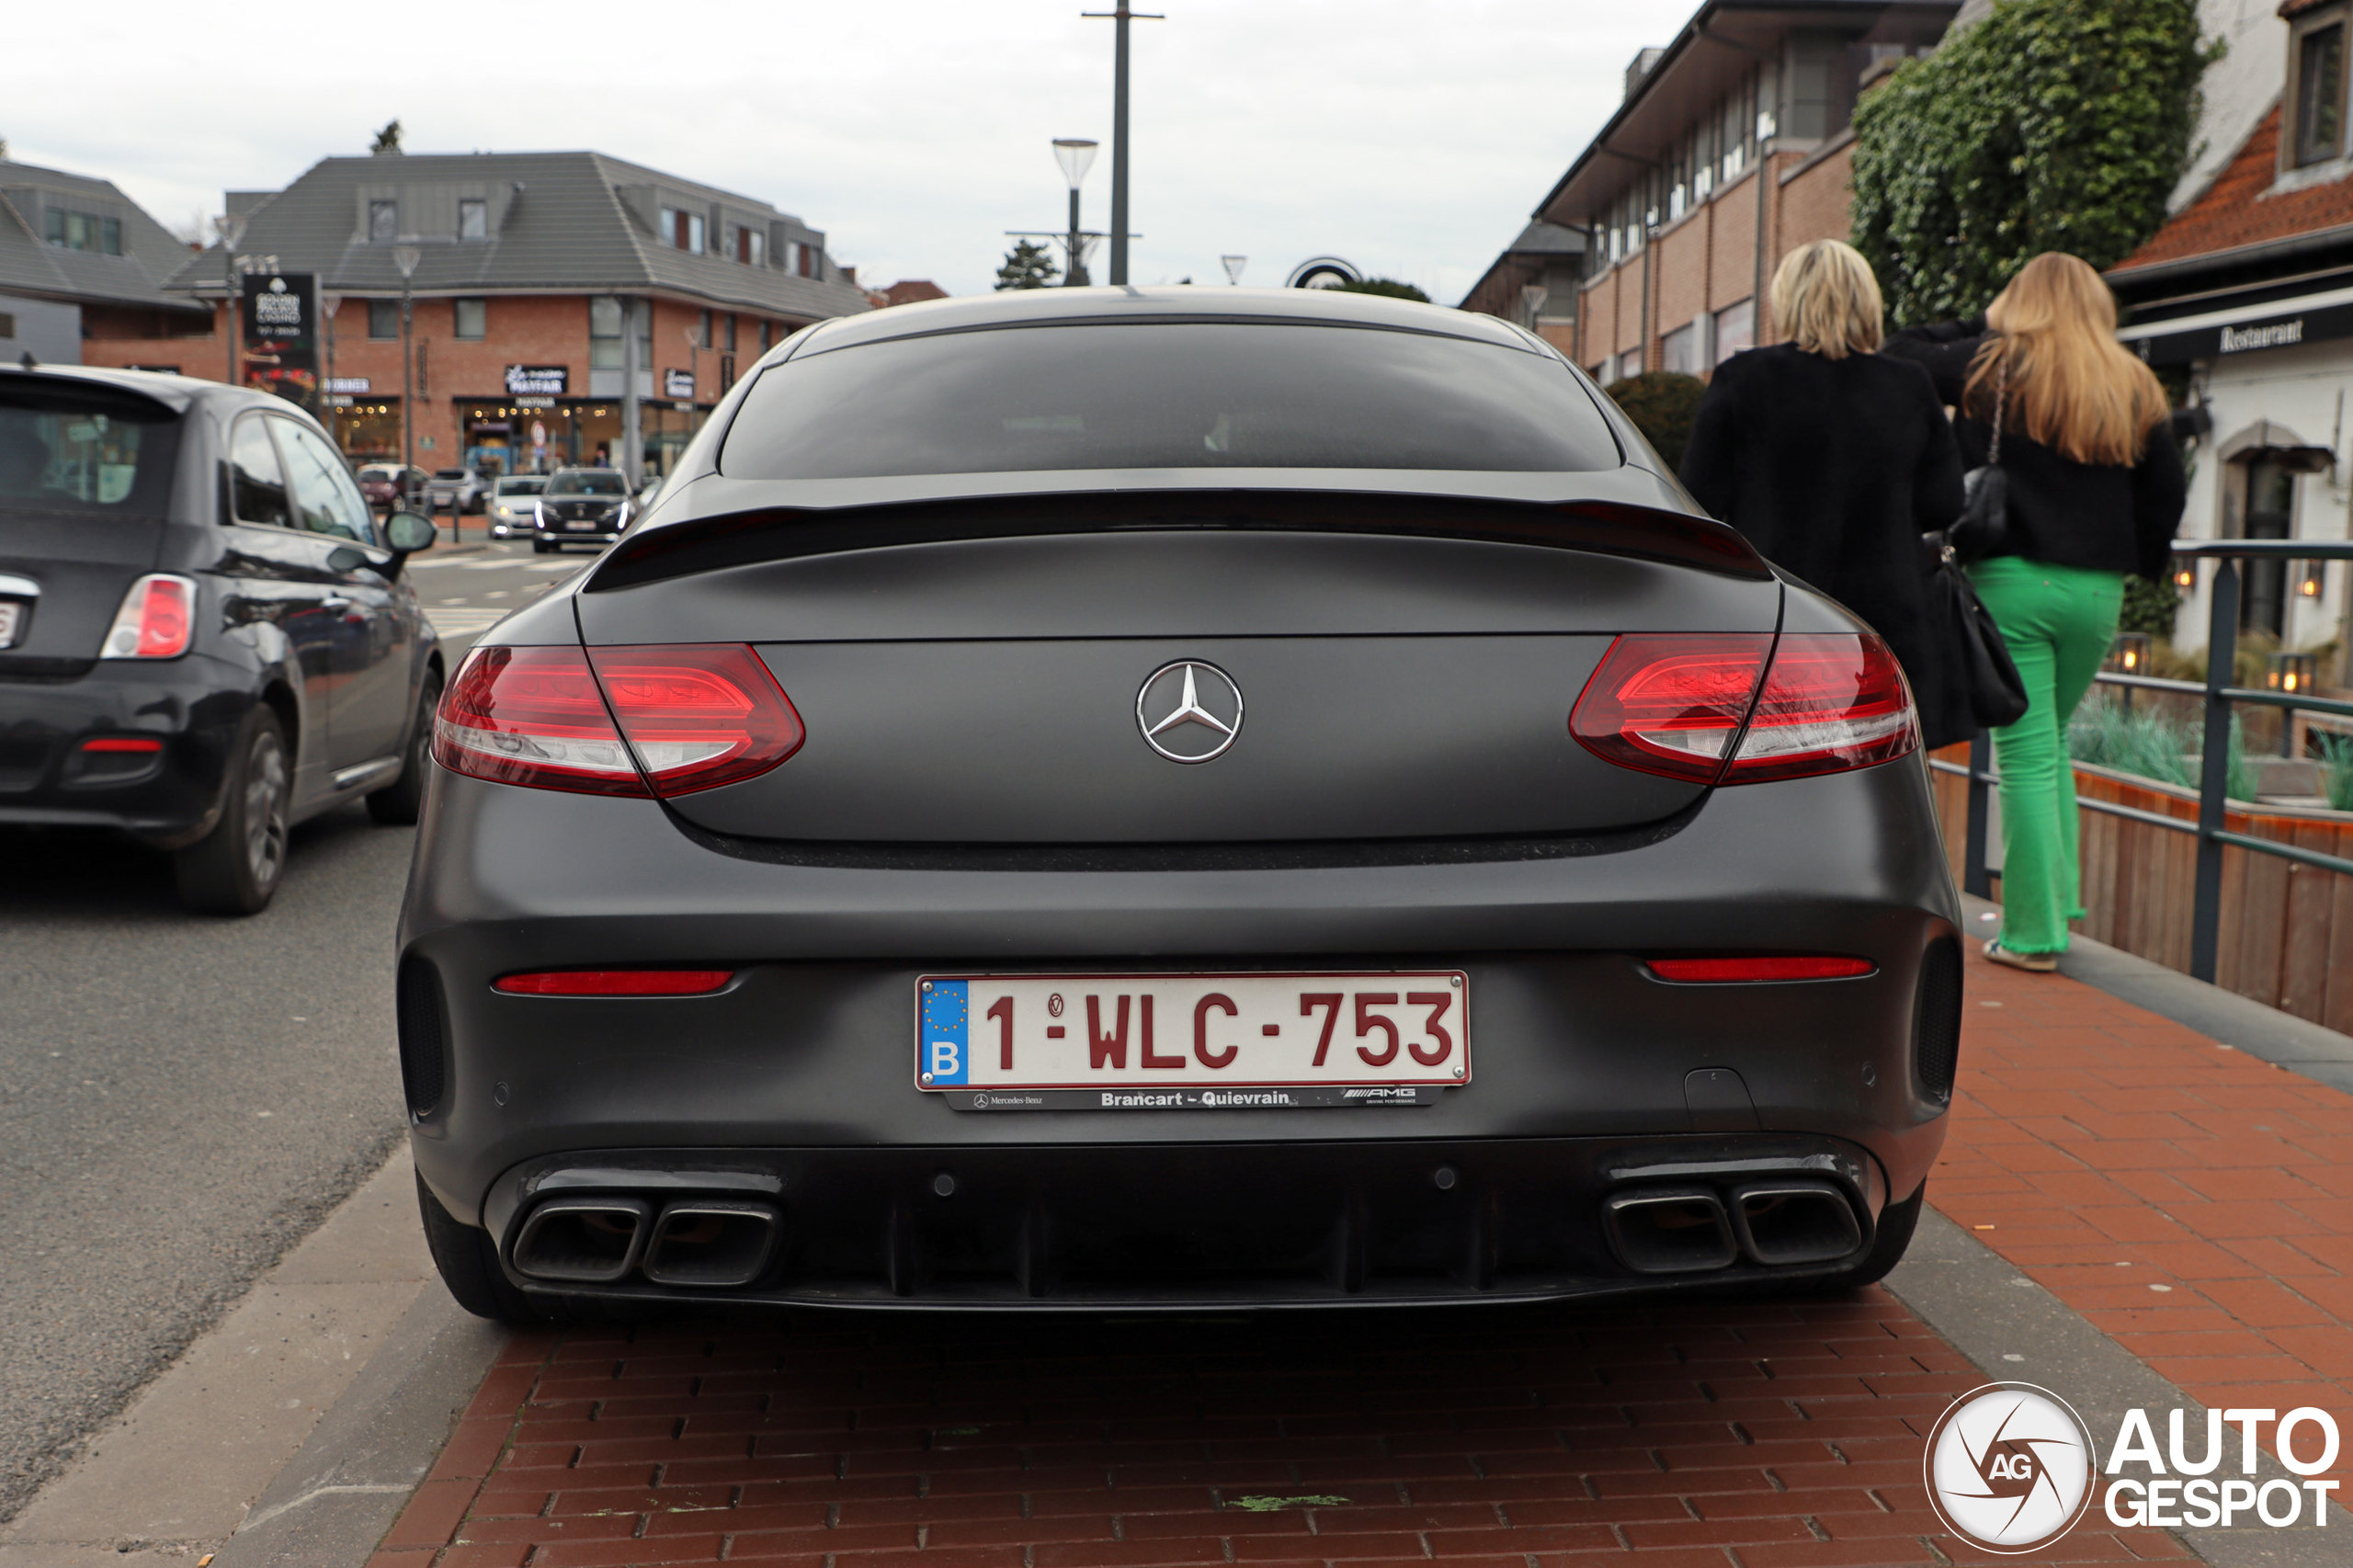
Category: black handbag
<point>1984,526</point>
<point>1970,646</point>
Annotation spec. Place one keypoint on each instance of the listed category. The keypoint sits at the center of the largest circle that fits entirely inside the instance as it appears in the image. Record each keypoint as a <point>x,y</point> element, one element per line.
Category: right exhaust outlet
<point>711,1242</point>
<point>1791,1221</point>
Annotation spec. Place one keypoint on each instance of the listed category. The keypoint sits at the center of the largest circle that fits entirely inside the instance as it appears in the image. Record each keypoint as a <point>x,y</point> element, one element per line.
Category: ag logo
<point>2009,1468</point>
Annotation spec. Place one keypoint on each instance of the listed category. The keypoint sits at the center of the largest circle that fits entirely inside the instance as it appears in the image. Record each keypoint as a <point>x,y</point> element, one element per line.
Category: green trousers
<point>2059,622</point>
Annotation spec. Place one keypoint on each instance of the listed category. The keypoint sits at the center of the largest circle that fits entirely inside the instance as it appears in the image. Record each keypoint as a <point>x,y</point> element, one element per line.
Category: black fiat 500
<point>204,636</point>
<point>1133,796</point>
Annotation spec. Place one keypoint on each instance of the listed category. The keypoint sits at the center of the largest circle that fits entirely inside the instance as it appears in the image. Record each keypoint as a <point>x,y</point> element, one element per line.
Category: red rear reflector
<point>1719,971</point>
<point>532,716</point>
<point>123,743</point>
<point>1833,700</point>
<point>615,982</point>
<point>1670,703</point>
<point>157,620</point>
<point>699,715</point>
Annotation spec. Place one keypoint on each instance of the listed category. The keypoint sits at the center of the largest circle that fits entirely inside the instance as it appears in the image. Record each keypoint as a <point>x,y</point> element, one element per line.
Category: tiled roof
<point>909,291</point>
<point>31,266</point>
<point>2235,211</point>
<point>558,220</point>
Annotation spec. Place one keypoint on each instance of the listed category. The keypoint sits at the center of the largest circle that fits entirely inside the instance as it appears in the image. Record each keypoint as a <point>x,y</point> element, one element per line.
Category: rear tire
<point>397,805</point>
<point>235,868</point>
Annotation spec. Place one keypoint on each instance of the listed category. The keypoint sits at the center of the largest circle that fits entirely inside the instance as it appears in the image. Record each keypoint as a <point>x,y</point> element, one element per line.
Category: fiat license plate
<point>1192,1041</point>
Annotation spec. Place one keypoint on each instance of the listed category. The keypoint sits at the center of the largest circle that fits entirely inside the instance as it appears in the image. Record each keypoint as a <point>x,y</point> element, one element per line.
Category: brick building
<point>533,269</point>
<point>79,261</point>
<point>1733,146</point>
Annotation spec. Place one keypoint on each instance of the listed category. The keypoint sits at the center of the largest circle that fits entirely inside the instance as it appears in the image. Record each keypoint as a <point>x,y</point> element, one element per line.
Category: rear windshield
<point>65,447</point>
<point>1171,395</point>
<point>588,482</point>
<point>450,474</point>
<point>529,486</point>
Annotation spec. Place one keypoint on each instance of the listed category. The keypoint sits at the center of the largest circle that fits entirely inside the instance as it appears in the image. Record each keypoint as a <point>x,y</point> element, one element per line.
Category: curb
<point>348,1483</point>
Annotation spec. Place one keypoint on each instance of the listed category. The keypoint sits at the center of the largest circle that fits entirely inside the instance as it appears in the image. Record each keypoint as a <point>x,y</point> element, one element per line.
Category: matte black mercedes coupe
<point>1149,797</point>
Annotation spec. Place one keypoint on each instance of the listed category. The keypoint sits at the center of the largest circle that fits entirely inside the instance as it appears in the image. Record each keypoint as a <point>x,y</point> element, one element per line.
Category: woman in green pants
<point>2095,489</point>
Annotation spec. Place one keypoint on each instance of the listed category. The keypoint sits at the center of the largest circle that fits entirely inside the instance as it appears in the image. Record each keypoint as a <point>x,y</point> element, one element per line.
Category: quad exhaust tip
<point>1779,1223</point>
<point>710,1244</point>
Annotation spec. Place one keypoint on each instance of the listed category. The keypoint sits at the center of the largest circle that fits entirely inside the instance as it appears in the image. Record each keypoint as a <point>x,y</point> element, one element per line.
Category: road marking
<point>454,621</point>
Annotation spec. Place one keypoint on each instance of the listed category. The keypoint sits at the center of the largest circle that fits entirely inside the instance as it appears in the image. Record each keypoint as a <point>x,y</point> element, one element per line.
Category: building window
<point>383,222</point>
<point>808,261</point>
<point>473,319</point>
<point>83,231</point>
<point>1735,329</point>
<point>383,318</point>
<point>604,336</point>
<point>767,341</point>
<point>727,337</point>
<point>1630,364</point>
<point>2320,93</point>
<point>683,228</point>
<point>1678,351</point>
<point>474,218</point>
<point>751,247</point>
<point>702,330</point>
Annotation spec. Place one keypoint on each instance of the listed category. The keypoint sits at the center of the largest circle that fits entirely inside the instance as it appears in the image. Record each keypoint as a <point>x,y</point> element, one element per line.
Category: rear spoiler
<point>780,533</point>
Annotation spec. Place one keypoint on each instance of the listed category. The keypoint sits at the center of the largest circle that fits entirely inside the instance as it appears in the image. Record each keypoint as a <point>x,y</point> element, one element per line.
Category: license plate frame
<point>1283,1039</point>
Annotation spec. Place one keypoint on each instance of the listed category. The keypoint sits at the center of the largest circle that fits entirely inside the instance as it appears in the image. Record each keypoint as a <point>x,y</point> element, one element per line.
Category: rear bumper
<point>167,798</point>
<point>1390,1221</point>
<point>811,1049</point>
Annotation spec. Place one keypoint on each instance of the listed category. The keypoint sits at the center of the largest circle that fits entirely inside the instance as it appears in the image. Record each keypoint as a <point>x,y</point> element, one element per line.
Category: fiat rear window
<point>64,448</point>
<point>1165,395</point>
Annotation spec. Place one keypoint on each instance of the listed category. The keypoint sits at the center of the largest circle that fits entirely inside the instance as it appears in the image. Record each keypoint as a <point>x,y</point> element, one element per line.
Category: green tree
<point>388,140</point>
<point>2051,125</point>
<point>1026,266</point>
<point>1386,286</point>
<point>1662,404</point>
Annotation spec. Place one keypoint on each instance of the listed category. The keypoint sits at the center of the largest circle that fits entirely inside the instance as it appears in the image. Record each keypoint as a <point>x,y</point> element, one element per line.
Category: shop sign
<point>339,399</point>
<point>537,381</point>
<point>2298,323</point>
<point>534,403</point>
<point>680,384</point>
<point>282,311</point>
<point>357,384</point>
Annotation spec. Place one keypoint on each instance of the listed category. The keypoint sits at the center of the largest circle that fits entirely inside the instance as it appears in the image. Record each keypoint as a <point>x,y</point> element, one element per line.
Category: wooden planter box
<point>2286,930</point>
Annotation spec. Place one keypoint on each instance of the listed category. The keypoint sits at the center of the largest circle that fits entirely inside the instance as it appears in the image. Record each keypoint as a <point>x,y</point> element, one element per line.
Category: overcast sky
<point>1411,137</point>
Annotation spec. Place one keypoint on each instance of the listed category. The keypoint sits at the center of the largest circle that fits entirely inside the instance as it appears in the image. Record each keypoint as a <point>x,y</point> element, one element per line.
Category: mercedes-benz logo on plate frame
<point>1189,711</point>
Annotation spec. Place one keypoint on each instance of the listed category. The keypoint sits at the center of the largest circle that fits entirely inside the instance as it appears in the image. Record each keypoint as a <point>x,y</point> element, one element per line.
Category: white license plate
<point>580,527</point>
<point>1192,1041</point>
<point>11,617</point>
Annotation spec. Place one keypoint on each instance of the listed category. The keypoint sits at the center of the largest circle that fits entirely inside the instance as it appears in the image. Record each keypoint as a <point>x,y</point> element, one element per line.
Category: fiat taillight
<point>157,620</point>
<point>635,720</point>
<point>1691,706</point>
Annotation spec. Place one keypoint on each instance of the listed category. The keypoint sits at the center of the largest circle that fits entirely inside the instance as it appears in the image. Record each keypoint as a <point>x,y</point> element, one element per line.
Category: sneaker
<point>2036,964</point>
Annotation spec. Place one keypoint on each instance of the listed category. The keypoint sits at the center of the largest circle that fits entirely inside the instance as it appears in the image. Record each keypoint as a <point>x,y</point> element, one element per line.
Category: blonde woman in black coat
<point>1833,460</point>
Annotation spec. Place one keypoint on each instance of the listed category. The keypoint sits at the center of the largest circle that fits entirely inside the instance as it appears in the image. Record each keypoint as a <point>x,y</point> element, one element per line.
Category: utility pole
<point>406,258</point>
<point>632,436</point>
<point>1075,153</point>
<point>231,227</point>
<point>1120,18</point>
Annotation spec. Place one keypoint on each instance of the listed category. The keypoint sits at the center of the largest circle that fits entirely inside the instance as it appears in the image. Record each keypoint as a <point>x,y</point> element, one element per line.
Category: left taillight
<point>157,620</point>
<point>689,717</point>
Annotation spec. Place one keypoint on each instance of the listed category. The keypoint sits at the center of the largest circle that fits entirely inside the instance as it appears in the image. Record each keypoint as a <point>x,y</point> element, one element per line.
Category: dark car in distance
<point>204,636</point>
<point>1133,799</point>
<point>387,487</point>
<point>581,505</point>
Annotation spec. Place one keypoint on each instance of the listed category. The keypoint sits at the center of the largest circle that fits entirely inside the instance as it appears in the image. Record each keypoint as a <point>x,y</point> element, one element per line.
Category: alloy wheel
<point>266,809</point>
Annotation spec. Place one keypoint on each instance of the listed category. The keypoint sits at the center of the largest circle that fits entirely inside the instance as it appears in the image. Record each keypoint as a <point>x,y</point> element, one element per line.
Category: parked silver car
<point>463,489</point>
<point>512,514</point>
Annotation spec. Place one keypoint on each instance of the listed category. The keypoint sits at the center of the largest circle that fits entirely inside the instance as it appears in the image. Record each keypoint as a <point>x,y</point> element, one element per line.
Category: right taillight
<point>690,717</point>
<point>1833,700</point>
<point>1691,706</point>
<point>157,620</point>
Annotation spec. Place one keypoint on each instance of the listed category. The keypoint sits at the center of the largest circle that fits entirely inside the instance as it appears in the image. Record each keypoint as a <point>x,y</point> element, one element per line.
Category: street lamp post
<point>328,305</point>
<point>1121,18</point>
<point>231,227</point>
<point>1076,155</point>
<point>406,258</point>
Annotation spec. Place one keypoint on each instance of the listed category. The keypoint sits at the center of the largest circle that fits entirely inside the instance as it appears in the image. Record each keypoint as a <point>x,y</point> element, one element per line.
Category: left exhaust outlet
<point>583,1241</point>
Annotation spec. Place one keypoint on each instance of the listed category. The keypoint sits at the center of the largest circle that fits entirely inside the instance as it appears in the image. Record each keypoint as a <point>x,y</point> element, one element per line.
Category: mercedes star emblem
<point>1189,711</point>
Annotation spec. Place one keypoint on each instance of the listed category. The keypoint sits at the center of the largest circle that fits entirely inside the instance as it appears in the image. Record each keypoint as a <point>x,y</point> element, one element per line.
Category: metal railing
<point>2219,696</point>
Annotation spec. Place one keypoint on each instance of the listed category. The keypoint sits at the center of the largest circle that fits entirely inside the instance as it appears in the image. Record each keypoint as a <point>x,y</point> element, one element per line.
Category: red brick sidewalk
<point>2193,1202</point>
<point>1732,1435</point>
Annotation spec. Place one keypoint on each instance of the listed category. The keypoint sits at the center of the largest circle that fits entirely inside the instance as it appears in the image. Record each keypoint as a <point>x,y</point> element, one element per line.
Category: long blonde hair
<point>1825,296</point>
<point>2072,386</point>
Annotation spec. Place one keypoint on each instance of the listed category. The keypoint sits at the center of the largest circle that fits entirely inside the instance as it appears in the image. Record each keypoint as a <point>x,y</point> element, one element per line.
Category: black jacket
<point>1833,469</point>
<point>2107,517</point>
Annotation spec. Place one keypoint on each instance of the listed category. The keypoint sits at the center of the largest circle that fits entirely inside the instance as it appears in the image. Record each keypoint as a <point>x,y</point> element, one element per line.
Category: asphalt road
<point>182,1097</point>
